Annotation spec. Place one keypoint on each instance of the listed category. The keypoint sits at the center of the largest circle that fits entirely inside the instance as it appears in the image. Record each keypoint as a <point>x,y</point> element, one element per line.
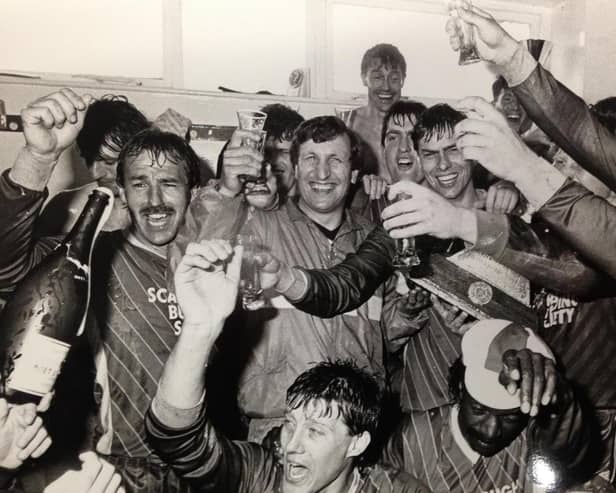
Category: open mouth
<point>158,219</point>
<point>405,163</point>
<point>448,180</point>
<point>322,188</point>
<point>295,473</point>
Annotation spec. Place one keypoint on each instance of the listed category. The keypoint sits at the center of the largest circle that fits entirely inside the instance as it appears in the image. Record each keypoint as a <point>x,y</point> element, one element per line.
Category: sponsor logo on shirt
<point>559,310</point>
<point>165,297</point>
<point>508,488</point>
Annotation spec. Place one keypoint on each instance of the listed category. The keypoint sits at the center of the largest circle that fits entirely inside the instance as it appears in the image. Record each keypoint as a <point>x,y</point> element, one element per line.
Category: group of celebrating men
<point>351,378</point>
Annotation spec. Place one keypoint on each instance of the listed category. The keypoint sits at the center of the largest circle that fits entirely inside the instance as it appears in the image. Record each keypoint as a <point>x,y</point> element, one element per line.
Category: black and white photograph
<point>308,246</point>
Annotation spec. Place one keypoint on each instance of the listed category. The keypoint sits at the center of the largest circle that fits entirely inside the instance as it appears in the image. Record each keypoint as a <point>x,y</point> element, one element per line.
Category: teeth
<point>404,162</point>
<point>322,188</point>
<point>157,216</point>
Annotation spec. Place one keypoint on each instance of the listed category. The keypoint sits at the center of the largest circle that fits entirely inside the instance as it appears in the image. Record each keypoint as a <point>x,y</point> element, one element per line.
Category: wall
<point>600,34</point>
<point>200,107</point>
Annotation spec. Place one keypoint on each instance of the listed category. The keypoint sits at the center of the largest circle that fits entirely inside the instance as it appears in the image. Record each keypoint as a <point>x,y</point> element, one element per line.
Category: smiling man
<point>515,423</point>
<point>383,70</point>
<point>135,318</point>
<point>331,410</point>
<point>313,230</point>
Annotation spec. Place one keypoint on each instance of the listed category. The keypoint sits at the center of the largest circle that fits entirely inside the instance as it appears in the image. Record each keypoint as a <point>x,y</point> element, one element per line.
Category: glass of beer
<point>468,49</point>
<point>250,283</point>
<point>254,120</point>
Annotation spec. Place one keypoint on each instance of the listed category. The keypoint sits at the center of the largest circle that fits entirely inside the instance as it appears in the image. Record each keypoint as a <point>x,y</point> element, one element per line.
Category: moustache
<point>157,210</point>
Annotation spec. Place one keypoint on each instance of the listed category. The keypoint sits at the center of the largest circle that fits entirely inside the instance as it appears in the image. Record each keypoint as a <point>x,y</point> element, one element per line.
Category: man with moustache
<point>135,318</point>
<point>331,410</point>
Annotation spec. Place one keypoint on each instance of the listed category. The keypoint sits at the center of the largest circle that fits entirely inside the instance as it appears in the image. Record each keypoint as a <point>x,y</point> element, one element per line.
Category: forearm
<point>351,283</point>
<point>566,119</point>
<point>32,170</point>
<point>586,222</point>
<point>182,383</point>
<point>19,251</point>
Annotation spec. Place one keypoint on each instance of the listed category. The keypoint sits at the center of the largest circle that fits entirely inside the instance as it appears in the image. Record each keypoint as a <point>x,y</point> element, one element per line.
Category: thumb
<point>233,267</point>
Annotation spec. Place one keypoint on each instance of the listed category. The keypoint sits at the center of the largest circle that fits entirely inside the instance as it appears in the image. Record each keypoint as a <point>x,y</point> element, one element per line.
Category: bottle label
<point>38,364</point>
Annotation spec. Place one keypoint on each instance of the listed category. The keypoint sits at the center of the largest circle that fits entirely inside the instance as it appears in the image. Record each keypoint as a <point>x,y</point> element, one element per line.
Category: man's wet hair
<point>281,121</point>
<point>437,121</point>
<point>498,86</point>
<point>344,390</point>
<point>400,111</point>
<point>110,121</point>
<point>389,56</point>
<point>323,129</point>
<point>163,146</point>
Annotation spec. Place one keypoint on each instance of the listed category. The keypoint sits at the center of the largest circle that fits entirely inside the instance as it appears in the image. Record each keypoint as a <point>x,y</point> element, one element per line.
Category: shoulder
<point>386,479</point>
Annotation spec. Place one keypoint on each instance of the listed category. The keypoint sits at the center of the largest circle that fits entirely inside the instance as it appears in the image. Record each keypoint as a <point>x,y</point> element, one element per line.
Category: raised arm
<point>206,283</point>
<point>51,125</point>
<point>563,116</point>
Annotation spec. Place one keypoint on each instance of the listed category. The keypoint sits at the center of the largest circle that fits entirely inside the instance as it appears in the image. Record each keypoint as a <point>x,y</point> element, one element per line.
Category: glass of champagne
<point>406,255</point>
<point>345,113</point>
<point>250,283</point>
<point>254,120</point>
<point>466,32</point>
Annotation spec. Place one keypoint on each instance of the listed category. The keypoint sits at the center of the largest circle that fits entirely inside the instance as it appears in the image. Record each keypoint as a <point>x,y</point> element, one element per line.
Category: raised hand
<point>455,319</point>
<point>534,375</point>
<point>22,434</point>
<point>493,43</point>
<point>206,281</point>
<point>502,198</point>
<point>95,476</point>
<point>51,124</point>
<point>240,159</point>
<point>486,137</point>
<point>426,212</point>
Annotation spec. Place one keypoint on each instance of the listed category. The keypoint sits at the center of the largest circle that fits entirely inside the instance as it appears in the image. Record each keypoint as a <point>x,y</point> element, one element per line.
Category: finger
<point>550,382</point>
<point>233,267</point>
<point>55,109</point>
<point>366,183</point>
<point>78,102</point>
<point>114,483</point>
<point>25,413</point>
<point>407,187</point>
<point>439,307</point>
<point>240,135</point>
<point>45,402</point>
<point>208,250</point>
<point>403,220</point>
<point>37,115</point>
<point>409,231</point>
<point>105,473</point>
<point>481,107</point>
<point>459,321</point>
<point>510,376</point>
<point>538,383</point>
<point>502,199</point>
<point>374,189</point>
<point>90,467</point>
<point>526,381</point>
<point>490,199</point>
<point>33,444</point>
<point>42,448</point>
<point>68,108</point>
<point>221,249</point>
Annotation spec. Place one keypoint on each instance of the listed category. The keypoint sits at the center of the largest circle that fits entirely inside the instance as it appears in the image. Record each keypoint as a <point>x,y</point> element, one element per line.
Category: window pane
<point>242,44</point>
<point>103,37</point>
<point>432,67</point>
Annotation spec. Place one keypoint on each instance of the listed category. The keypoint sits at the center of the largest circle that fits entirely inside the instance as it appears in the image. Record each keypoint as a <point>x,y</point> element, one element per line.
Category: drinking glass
<point>345,113</point>
<point>468,48</point>
<point>406,254</point>
<point>250,284</point>
<point>254,120</point>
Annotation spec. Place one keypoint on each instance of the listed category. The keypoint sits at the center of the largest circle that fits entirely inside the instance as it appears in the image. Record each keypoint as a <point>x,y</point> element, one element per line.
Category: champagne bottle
<point>48,309</point>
